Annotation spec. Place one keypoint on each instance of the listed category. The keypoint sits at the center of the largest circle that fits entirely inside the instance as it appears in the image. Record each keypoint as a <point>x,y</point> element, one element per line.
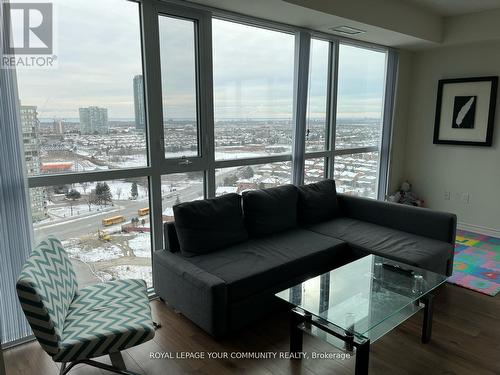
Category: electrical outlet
<point>447,195</point>
<point>465,198</point>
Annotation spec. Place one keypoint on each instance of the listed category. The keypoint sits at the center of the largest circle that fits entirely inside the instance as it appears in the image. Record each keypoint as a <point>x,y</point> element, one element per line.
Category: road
<point>79,226</point>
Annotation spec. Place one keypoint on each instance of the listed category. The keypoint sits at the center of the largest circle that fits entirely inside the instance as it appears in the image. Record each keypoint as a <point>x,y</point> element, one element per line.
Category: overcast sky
<point>99,53</point>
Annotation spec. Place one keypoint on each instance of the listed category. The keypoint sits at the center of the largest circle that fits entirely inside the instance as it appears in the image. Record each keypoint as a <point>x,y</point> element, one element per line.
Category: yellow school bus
<point>113,220</point>
<point>143,211</point>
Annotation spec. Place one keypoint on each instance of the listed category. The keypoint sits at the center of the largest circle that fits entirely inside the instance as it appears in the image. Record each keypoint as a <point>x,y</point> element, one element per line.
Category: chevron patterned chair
<point>73,325</point>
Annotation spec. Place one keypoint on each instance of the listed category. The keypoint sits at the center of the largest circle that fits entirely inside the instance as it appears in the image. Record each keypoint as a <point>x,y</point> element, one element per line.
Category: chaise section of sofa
<point>413,235</point>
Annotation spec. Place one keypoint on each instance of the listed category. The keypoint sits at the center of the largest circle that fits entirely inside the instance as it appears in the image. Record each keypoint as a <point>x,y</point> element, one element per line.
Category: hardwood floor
<point>465,340</point>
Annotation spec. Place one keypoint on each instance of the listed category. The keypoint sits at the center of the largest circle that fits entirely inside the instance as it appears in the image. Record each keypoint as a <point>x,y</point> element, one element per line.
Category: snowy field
<point>85,166</point>
<point>124,256</point>
<point>77,249</point>
<point>141,245</point>
<point>78,209</point>
<point>99,254</point>
<point>120,190</point>
<point>131,161</point>
<point>133,272</point>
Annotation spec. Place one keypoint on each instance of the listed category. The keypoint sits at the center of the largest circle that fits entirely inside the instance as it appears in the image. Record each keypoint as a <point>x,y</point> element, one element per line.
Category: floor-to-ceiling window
<point>86,143</point>
<point>318,145</point>
<point>359,119</point>
<point>173,104</point>
<point>253,76</point>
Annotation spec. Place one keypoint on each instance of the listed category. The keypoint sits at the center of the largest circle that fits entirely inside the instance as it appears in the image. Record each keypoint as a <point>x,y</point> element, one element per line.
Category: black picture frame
<point>491,111</point>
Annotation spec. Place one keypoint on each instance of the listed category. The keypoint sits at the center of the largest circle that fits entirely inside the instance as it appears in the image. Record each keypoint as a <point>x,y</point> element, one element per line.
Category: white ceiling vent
<point>348,30</point>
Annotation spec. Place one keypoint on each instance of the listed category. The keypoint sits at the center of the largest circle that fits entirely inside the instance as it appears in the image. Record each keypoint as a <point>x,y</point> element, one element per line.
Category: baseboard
<point>479,229</point>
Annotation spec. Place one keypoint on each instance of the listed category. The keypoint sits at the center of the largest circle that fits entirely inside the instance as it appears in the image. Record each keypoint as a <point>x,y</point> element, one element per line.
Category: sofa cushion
<point>367,238</point>
<point>263,263</point>
<point>210,224</point>
<point>270,210</point>
<point>317,202</point>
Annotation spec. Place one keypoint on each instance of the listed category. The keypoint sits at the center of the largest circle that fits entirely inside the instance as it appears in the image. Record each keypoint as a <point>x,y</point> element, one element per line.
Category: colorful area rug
<point>477,263</point>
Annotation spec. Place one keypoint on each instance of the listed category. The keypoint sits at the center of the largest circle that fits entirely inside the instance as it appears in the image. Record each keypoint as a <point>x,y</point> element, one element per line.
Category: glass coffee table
<point>356,304</point>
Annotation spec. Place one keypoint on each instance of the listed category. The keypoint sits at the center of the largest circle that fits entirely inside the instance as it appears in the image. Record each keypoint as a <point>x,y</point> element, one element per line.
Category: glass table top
<point>367,297</point>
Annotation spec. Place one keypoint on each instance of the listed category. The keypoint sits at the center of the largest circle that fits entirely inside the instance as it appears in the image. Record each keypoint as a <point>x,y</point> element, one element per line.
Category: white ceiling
<point>284,12</point>
<point>448,8</point>
<point>411,24</point>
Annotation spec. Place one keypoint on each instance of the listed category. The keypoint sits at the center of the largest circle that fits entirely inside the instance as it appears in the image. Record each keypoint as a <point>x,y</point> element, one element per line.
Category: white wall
<point>472,28</point>
<point>434,169</point>
<point>399,16</point>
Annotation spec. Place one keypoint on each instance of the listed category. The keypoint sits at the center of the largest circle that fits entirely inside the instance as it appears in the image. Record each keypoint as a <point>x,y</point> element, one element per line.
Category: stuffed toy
<point>405,196</point>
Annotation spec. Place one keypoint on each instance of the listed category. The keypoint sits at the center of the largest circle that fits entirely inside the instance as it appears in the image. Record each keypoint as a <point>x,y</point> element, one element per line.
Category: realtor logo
<point>31,28</point>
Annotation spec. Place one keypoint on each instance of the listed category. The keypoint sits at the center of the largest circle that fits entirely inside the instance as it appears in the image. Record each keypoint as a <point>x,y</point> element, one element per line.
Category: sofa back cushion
<point>270,210</point>
<point>210,224</point>
<point>317,202</point>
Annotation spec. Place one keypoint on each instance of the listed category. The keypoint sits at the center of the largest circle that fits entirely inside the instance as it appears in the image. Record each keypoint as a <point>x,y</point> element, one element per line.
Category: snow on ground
<point>131,161</point>
<point>226,190</point>
<point>85,165</point>
<point>104,276</point>
<point>133,272</point>
<point>100,254</point>
<point>141,245</point>
<point>107,251</point>
<point>120,190</point>
<point>173,187</point>
<point>78,209</point>
<point>227,153</point>
<point>92,251</point>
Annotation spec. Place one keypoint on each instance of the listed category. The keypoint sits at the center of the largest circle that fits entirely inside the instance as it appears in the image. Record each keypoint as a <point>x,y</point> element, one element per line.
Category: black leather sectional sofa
<point>226,257</point>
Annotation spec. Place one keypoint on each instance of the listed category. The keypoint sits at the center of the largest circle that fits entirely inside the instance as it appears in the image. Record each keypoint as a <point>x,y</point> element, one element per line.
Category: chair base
<point>118,366</point>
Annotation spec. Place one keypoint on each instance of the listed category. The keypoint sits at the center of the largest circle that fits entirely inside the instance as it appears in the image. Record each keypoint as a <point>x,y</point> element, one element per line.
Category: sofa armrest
<point>420,221</point>
<point>197,294</point>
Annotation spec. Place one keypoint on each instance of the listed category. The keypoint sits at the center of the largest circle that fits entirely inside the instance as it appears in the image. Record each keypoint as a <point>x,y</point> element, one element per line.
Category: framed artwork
<point>465,111</point>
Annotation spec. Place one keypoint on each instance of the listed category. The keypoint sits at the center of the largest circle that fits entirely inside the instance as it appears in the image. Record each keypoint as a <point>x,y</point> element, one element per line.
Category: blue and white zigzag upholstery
<point>46,287</point>
<point>71,324</point>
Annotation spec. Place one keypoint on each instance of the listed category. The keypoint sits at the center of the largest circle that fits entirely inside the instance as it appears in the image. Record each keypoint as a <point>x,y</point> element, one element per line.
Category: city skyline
<point>90,73</point>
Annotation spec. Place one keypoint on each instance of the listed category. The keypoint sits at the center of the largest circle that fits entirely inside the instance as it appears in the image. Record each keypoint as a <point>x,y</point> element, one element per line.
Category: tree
<point>133,190</point>
<point>72,195</point>
<point>118,192</point>
<point>91,199</point>
<point>49,194</point>
<point>106,194</point>
<point>230,180</point>
<point>103,193</point>
<point>60,189</point>
<point>85,186</point>
<point>247,172</point>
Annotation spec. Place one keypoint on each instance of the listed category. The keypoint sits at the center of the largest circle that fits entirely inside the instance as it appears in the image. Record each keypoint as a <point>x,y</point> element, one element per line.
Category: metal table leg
<point>427,300</point>
<point>362,359</point>
<point>296,334</point>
